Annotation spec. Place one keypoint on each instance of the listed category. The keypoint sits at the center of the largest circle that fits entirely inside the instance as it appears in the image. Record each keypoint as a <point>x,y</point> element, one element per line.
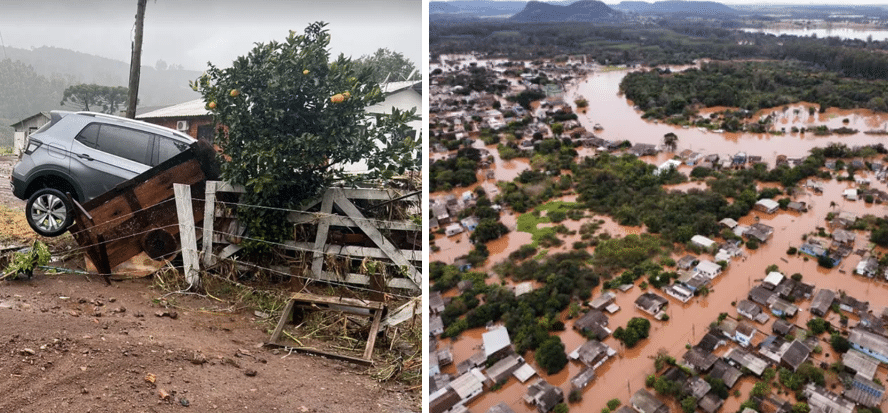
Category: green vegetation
<point>550,355</point>
<point>818,326</point>
<point>529,222</point>
<point>447,174</point>
<point>750,86</point>
<point>839,343</point>
<point>636,330</point>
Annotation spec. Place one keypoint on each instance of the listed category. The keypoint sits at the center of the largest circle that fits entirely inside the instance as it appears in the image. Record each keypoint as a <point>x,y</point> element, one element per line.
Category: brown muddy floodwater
<point>625,373</point>
<point>622,122</point>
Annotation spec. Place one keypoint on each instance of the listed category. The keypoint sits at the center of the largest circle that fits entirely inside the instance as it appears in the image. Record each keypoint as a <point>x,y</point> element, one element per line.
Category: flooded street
<point>625,373</point>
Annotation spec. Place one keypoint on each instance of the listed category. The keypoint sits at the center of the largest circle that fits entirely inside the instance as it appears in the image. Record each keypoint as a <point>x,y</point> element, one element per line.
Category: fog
<point>192,32</point>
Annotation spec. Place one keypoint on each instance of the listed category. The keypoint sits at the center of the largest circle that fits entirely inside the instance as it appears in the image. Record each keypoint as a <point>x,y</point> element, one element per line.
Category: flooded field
<point>625,373</point>
<point>622,122</point>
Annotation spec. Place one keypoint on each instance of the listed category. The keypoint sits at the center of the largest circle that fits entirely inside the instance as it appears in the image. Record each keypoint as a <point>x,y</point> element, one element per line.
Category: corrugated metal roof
<point>392,87</point>
<point>195,107</point>
<point>495,340</point>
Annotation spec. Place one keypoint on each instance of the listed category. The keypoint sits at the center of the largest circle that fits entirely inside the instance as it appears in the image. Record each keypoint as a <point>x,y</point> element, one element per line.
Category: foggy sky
<point>192,32</point>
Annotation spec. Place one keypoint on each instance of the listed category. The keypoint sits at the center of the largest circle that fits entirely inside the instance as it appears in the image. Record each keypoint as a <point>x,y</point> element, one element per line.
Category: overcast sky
<point>192,32</point>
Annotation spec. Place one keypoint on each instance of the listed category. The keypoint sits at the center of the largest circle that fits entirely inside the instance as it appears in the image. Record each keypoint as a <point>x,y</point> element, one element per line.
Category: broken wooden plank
<point>353,250</point>
<point>209,218</point>
<point>341,221</point>
<point>380,240</point>
<point>317,263</point>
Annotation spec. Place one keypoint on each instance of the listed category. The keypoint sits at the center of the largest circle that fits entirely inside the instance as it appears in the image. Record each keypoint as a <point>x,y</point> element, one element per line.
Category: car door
<point>105,155</point>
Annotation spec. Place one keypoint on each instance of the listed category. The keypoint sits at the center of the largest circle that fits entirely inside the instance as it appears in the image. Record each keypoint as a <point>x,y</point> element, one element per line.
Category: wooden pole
<point>136,62</point>
<point>185,213</point>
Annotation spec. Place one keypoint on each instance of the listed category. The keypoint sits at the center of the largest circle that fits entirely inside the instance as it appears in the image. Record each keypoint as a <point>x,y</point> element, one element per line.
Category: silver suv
<point>85,154</point>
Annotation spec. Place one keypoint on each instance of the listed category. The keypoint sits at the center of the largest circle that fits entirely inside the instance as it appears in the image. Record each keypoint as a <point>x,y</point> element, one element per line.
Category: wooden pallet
<point>137,215</point>
<point>299,301</point>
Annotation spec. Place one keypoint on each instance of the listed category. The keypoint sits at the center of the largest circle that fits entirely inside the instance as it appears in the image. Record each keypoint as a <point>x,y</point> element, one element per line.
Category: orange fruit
<point>234,93</point>
<point>337,98</point>
<point>211,105</point>
<point>305,72</point>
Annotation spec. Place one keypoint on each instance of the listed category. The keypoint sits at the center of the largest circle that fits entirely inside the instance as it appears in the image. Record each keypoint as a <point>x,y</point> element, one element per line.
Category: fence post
<point>185,214</point>
<point>209,217</point>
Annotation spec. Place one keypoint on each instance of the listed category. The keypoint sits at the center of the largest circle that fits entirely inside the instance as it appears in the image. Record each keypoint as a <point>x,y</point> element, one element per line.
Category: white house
<point>702,241</point>
<point>709,269</point>
<point>670,164</point>
<point>767,205</point>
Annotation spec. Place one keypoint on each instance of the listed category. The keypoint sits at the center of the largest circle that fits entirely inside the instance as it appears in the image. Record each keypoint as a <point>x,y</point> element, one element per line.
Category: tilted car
<point>85,154</point>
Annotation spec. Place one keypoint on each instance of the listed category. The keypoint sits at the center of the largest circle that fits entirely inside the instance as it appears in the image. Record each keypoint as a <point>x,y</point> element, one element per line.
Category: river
<point>688,322</point>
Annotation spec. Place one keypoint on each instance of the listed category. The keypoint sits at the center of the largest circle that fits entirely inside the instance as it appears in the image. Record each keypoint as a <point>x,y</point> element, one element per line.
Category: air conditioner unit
<point>182,125</point>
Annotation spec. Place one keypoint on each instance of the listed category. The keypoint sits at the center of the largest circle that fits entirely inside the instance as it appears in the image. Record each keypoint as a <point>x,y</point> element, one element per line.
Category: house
<point>453,229</point>
<point>760,232</point>
<point>850,194</point>
<point>781,327</point>
<point>594,322</point>
<point>864,391</point>
<point>444,400</point>
<point>500,407</point>
<point>524,373</point>
<point>679,292</point>
<point>797,206</point>
<point>687,262</point>
<point>821,399</point>
<point>870,344</point>
<point>743,358</point>
<point>861,364</point>
<point>439,211</point>
<point>436,325</point>
<point>477,359</point>
<point>470,223</point>
<point>650,303</point>
<point>692,280</point>
<point>783,308</point>
<point>844,237</point>
<point>767,205</point>
<point>795,355</point>
<point>592,353</point>
<point>602,301</point>
<point>645,402</point>
<point>761,295</point>
<point>699,359</point>
<point>822,302</point>
<point>730,223</point>
<point>459,392</point>
<point>501,370</point>
<point>744,333</point>
<point>496,343</point>
<point>709,269</point>
<point>191,118</point>
<point>845,219</point>
<point>25,127</point>
<point>774,404</point>
<point>436,302</point>
<point>702,242</point>
<point>583,378</point>
<point>666,166</point>
<point>727,373</point>
<point>853,305</point>
<point>710,403</point>
<point>867,267</point>
<point>544,396</point>
<point>709,342</point>
<point>696,387</point>
<point>752,311</point>
<point>772,280</point>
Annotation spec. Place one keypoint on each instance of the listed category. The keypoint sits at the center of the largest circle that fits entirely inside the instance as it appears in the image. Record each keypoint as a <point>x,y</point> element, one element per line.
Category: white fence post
<point>185,213</point>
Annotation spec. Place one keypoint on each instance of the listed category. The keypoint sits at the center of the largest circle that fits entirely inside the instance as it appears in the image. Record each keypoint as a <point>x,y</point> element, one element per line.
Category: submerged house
<point>650,303</point>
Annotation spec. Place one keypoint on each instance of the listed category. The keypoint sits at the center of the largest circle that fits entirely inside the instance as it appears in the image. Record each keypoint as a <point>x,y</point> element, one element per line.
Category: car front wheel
<point>49,212</point>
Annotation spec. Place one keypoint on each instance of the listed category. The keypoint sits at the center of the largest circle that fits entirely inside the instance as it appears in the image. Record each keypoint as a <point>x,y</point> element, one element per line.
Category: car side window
<point>125,143</point>
<point>89,135</point>
<point>166,148</point>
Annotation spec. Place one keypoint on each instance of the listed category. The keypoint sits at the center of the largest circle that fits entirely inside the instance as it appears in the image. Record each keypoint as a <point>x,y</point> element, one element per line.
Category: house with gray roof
<point>870,344</point>
<point>645,402</point>
<point>860,363</point>
<point>824,400</point>
<point>650,303</point>
<point>543,395</point>
<point>795,355</point>
<point>822,302</point>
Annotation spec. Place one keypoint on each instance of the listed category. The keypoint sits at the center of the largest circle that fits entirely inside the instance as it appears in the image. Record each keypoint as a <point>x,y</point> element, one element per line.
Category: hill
<point>34,80</point>
<point>476,8</point>
<point>690,8</point>
<point>581,11</point>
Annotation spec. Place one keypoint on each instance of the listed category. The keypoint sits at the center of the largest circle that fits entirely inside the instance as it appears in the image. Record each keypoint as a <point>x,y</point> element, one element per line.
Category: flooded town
<point>586,257</point>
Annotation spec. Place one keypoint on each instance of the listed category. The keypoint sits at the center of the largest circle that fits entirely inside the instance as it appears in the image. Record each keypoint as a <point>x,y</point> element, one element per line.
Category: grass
<point>529,222</point>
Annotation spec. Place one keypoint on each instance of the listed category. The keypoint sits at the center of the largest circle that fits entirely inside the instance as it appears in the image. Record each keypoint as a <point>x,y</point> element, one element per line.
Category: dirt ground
<point>71,343</point>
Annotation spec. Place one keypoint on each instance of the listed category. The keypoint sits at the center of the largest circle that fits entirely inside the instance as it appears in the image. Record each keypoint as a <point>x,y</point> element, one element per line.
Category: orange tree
<point>293,117</point>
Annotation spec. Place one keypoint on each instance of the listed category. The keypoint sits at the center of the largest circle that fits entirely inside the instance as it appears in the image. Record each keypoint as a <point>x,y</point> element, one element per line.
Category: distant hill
<point>33,81</point>
<point>476,8</point>
<point>582,11</point>
<point>690,8</point>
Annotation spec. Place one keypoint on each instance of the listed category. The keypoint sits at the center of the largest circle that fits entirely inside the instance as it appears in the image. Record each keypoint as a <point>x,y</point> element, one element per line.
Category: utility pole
<point>136,62</point>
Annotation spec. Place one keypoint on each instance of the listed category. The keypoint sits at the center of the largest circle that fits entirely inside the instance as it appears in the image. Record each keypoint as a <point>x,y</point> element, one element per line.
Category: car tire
<point>49,212</point>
